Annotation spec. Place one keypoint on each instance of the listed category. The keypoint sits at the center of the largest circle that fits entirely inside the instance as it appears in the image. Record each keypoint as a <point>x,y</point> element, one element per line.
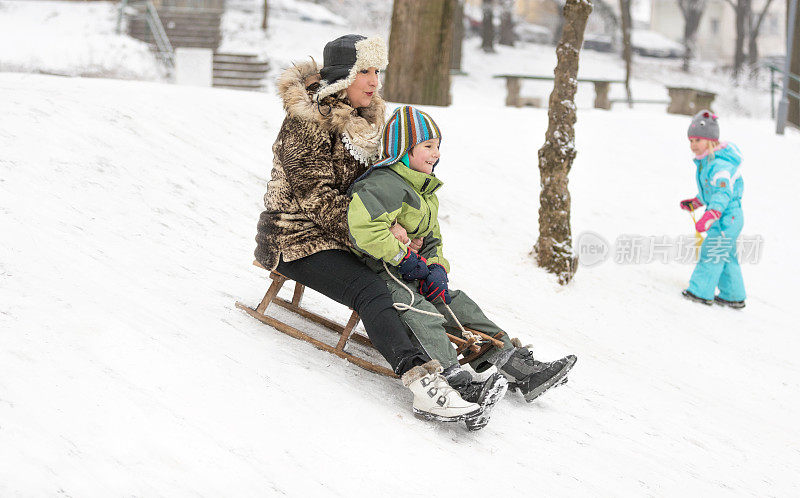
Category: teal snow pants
<point>718,265</point>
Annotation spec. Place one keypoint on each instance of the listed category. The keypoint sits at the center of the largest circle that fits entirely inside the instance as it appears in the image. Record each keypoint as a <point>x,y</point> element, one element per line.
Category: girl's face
<point>698,145</point>
<point>361,90</point>
<point>424,155</point>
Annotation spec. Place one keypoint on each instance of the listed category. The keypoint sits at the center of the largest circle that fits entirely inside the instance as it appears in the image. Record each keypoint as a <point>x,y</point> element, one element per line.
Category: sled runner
<point>468,349</point>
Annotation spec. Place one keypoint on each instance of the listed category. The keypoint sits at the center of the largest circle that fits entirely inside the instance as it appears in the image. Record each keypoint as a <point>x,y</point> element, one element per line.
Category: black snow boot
<point>691,297</point>
<point>486,394</point>
<point>533,377</point>
<point>737,305</point>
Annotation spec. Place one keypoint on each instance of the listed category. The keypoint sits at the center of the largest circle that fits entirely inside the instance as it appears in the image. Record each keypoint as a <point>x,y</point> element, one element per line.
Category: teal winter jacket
<point>719,179</point>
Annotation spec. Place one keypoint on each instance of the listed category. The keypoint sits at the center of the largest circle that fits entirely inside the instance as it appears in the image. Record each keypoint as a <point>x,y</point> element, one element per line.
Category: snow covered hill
<point>127,213</point>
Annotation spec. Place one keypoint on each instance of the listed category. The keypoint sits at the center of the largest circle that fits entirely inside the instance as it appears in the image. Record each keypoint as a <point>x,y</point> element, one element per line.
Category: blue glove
<point>413,266</point>
<point>435,284</point>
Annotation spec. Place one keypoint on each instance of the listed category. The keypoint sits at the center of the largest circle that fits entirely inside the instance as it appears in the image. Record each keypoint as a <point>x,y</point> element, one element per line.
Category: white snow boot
<point>434,399</point>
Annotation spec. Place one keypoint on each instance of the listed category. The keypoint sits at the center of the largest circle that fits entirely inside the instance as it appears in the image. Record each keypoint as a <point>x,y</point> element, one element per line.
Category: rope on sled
<point>409,307</point>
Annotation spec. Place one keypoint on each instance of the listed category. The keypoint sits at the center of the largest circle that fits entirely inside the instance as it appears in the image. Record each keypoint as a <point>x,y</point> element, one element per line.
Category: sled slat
<point>462,344</point>
<point>298,293</point>
<point>495,342</point>
<point>276,285</point>
<point>321,320</point>
<point>348,329</point>
<point>289,330</point>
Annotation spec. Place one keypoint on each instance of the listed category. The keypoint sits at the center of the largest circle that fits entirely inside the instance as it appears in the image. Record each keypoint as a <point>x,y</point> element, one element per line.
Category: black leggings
<point>343,278</point>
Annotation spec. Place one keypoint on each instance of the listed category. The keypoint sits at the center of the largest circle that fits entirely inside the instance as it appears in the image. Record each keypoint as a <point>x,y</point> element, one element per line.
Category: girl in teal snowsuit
<point>720,186</point>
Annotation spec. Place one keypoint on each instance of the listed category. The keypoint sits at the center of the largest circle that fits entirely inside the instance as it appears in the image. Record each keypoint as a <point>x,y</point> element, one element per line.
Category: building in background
<point>716,36</point>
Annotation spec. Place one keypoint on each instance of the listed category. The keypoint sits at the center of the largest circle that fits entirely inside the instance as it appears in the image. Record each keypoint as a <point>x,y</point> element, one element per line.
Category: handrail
<point>775,85</point>
<point>160,35</point>
<point>163,45</point>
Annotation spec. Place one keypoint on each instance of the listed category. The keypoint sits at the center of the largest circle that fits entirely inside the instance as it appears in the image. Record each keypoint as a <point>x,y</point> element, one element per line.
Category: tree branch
<point>761,17</point>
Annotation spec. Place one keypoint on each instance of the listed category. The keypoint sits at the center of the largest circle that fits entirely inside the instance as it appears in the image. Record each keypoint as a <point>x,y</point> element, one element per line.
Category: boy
<point>401,188</point>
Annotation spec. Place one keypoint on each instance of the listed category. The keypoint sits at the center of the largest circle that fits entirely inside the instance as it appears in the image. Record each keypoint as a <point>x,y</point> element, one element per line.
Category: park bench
<point>688,101</point>
<point>467,349</point>
<point>683,100</point>
<point>514,82</point>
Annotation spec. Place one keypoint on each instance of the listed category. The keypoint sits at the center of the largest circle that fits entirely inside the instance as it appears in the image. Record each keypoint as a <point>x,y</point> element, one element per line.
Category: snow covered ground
<point>127,223</point>
<point>71,39</point>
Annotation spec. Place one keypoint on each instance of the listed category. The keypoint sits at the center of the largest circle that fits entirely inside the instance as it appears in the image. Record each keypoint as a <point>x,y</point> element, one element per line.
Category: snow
<point>128,213</point>
<point>654,41</point>
<point>71,39</point>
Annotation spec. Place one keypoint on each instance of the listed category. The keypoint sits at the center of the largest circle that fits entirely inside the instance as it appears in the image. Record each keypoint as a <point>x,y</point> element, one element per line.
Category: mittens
<point>435,284</point>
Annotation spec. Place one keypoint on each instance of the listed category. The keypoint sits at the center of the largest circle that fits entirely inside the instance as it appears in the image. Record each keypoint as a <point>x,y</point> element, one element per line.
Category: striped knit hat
<point>405,128</point>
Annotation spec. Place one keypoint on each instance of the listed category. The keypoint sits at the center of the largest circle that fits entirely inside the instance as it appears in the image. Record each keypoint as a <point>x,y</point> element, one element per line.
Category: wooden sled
<point>468,350</point>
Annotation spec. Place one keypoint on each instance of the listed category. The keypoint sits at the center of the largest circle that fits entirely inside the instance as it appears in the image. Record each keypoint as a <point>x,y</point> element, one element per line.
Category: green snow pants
<point>430,330</point>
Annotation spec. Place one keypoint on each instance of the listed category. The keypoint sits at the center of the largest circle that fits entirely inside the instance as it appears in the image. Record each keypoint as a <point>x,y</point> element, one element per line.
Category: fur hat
<point>406,128</point>
<point>704,125</point>
<point>345,56</point>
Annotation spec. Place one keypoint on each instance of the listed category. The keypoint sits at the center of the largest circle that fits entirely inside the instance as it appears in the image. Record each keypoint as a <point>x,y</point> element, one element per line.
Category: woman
<point>330,136</point>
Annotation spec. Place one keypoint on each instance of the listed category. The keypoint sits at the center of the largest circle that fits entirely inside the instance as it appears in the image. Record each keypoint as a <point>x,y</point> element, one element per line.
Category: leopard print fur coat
<point>314,164</point>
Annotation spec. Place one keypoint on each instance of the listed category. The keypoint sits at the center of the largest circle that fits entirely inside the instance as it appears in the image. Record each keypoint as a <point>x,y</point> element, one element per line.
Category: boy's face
<point>698,145</point>
<point>424,155</point>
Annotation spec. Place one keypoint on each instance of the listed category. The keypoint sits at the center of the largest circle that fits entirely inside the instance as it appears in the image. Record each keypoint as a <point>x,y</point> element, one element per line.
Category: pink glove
<point>690,204</point>
<point>707,220</point>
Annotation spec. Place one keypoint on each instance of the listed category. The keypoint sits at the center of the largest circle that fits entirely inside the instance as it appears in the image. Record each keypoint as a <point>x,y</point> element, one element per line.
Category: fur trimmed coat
<point>314,164</point>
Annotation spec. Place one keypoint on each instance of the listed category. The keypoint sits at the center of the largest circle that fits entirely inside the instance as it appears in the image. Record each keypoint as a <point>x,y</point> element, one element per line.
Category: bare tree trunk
<point>507,23</point>
<point>420,46</point>
<point>752,45</point>
<point>611,23</point>
<point>265,15</point>
<point>559,29</point>
<point>458,36</point>
<point>794,67</point>
<point>742,9</point>
<point>487,29</point>
<point>692,11</point>
<point>553,249</point>
<point>625,14</point>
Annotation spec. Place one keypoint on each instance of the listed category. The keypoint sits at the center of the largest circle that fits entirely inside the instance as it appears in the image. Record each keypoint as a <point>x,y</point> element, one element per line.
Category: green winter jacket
<point>395,193</point>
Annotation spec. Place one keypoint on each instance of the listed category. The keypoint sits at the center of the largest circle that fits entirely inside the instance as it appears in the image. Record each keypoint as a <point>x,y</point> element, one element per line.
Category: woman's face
<point>360,92</point>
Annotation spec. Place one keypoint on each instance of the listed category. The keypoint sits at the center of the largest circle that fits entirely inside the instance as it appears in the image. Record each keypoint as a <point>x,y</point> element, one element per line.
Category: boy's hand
<point>415,245</point>
<point>413,266</point>
<point>690,204</point>
<point>435,284</point>
<point>399,233</point>
<point>707,220</point>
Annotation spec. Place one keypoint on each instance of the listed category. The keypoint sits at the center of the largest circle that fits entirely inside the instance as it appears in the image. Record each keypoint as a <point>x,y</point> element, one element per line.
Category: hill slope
<point>127,213</point>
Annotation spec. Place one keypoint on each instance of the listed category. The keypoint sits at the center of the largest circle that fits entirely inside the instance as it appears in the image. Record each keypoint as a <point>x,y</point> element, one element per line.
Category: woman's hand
<point>416,245</point>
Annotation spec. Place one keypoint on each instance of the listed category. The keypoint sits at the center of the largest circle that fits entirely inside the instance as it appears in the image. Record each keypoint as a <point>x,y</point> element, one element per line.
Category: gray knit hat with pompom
<point>704,125</point>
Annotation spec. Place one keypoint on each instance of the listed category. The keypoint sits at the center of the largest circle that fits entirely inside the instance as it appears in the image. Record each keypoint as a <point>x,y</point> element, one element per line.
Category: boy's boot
<point>534,377</point>
<point>486,394</point>
<point>434,399</point>
<point>731,304</point>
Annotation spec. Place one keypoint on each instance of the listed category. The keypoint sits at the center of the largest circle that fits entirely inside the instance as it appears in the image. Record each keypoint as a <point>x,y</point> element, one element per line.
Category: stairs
<point>184,27</point>
<point>239,71</point>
